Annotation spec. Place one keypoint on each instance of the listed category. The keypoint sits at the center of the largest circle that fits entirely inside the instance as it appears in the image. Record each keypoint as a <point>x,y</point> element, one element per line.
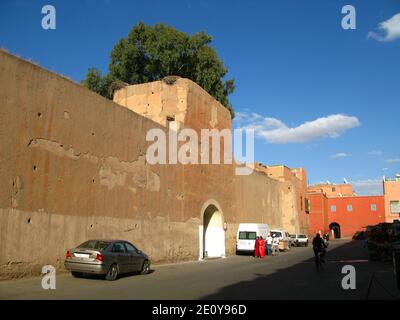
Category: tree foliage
<point>152,53</point>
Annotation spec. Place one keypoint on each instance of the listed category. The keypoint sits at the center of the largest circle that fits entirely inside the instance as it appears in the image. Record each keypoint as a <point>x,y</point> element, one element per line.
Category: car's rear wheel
<point>145,267</point>
<point>77,274</point>
<point>112,273</point>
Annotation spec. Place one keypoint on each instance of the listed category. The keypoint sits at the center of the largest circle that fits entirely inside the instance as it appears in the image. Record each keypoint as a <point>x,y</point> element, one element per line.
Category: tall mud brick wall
<point>73,167</point>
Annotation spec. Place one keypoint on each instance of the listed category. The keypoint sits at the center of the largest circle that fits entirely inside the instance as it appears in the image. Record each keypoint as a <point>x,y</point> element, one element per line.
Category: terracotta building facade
<point>338,210</point>
<point>391,191</point>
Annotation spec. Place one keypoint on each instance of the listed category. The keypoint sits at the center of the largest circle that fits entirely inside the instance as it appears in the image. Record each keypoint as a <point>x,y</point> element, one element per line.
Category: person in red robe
<point>257,247</point>
<point>261,247</point>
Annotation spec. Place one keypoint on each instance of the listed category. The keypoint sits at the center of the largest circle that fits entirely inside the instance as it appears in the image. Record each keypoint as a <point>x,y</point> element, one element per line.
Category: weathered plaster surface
<point>73,167</point>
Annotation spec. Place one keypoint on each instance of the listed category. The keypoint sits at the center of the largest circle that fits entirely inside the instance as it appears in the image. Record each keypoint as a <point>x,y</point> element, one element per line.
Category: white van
<point>284,238</point>
<point>247,233</point>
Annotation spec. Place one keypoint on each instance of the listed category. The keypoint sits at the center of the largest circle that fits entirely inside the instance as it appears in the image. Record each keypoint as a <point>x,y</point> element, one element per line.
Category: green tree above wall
<point>152,53</point>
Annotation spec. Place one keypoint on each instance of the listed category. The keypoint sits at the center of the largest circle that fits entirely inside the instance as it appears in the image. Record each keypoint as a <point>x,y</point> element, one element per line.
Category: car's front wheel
<point>112,273</point>
<point>145,267</point>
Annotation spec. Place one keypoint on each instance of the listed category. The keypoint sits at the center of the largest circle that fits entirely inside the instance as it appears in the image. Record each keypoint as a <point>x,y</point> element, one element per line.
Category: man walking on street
<point>275,245</point>
<point>319,248</point>
<point>269,244</point>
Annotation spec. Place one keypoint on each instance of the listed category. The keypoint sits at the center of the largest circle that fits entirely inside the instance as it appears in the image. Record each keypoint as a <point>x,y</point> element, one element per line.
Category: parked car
<point>246,236</point>
<point>283,237</point>
<point>106,257</point>
<point>380,240</point>
<point>359,235</point>
<point>302,240</point>
<point>293,240</point>
<point>299,240</point>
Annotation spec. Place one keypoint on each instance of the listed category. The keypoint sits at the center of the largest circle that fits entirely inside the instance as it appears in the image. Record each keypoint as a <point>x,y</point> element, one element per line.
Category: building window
<point>373,207</point>
<point>333,208</point>
<point>349,208</point>
<point>308,205</point>
<point>301,203</point>
<point>333,189</point>
<point>395,206</point>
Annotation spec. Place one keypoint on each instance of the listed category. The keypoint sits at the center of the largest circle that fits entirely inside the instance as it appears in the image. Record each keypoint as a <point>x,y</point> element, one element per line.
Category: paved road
<point>289,276</point>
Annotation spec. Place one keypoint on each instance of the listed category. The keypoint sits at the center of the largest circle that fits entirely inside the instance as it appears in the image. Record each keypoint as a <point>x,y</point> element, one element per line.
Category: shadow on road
<point>302,281</point>
<point>121,276</point>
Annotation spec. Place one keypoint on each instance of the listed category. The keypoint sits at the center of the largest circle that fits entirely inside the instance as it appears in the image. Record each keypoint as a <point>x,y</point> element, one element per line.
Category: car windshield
<point>247,235</point>
<point>302,236</point>
<point>276,234</point>
<point>94,244</point>
<point>293,236</point>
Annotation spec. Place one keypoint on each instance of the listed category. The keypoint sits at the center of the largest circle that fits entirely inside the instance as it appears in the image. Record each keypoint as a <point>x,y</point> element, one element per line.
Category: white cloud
<point>275,131</point>
<point>340,155</point>
<point>375,153</point>
<point>368,187</point>
<point>389,30</point>
<point>393,160</point>
<point>385,169</point>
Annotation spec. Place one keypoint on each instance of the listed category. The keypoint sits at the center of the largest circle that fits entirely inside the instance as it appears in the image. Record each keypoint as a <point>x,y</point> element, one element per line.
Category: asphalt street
<point>291,275</point>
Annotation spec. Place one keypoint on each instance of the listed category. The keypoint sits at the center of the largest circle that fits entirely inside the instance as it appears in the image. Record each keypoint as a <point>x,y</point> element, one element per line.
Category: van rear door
<point>246,240</point>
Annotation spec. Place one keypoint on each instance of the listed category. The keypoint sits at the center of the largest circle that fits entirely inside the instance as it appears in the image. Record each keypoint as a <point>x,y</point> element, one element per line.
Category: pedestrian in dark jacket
<point>319,246</point>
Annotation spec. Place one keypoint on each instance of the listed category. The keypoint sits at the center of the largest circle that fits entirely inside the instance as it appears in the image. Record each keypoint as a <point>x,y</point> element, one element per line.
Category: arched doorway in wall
<point>211,233</point>
<point>335,227</point>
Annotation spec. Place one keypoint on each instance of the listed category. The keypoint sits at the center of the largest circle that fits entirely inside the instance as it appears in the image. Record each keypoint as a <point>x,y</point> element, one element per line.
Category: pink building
<point>344,216</point>
<point>391,191</point>
<point>338,208</point>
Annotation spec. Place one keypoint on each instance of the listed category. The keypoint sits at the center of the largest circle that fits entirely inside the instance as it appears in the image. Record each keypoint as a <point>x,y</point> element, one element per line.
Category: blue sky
<point>294,66</point>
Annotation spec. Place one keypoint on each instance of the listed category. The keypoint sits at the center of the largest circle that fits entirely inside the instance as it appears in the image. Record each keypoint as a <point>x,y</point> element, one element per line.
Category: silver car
<point>106,257</point>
